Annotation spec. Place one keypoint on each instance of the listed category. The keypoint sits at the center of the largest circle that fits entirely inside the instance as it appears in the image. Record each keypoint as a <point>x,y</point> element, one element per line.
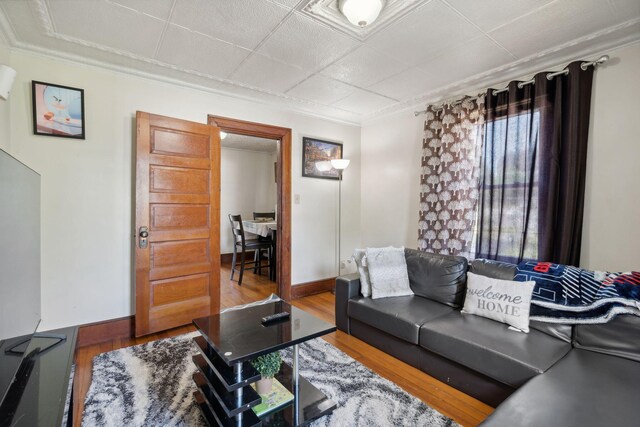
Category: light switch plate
<point>296,199</point>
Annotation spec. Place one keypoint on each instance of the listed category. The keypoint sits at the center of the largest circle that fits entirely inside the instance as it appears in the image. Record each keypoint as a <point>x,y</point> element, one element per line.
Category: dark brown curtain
<point>532,176</point>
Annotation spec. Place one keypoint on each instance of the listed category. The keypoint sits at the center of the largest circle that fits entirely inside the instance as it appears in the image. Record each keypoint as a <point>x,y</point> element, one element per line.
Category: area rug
<point>151,385</point>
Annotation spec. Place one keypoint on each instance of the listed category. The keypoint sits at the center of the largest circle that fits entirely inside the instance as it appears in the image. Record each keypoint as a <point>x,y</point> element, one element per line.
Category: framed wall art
<point>58,110</point>
<point>316,150</point>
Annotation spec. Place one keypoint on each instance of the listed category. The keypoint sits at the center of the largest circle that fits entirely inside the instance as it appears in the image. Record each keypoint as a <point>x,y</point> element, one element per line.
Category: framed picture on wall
<point>57,110</point>
<point>317,150</point>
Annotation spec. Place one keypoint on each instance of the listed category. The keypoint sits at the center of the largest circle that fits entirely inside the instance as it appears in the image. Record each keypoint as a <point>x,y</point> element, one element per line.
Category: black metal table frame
<point>231,404</point>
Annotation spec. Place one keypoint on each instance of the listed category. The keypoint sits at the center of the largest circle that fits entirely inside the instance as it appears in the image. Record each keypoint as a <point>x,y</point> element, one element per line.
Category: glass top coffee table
<point>229,341</point>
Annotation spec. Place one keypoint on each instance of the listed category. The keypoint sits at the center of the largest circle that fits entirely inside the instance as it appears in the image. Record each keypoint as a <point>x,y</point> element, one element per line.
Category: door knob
<point>143,234</point>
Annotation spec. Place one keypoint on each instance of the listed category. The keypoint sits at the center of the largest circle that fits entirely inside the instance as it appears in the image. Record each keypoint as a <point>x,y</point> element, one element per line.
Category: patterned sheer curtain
<point>451,150</point>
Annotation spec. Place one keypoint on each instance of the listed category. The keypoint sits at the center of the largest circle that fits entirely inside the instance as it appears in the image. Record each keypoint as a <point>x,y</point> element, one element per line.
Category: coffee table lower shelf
<point>309,404</point>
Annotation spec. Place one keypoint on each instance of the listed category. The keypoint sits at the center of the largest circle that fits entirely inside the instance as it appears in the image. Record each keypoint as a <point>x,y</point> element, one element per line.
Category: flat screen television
<point>19,264</point>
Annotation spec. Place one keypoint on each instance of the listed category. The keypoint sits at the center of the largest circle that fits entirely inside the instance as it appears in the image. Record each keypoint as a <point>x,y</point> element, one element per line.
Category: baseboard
<point>107,330</point>
<point>311,288</point>
<point>124,327</point>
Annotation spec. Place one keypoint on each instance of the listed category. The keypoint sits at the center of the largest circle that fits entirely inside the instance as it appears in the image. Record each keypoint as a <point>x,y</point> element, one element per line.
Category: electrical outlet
<point>296,199</point>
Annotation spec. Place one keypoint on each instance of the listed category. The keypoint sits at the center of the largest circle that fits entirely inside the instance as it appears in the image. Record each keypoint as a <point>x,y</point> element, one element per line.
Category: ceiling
<point>251,143</point>
<point>303,55</point>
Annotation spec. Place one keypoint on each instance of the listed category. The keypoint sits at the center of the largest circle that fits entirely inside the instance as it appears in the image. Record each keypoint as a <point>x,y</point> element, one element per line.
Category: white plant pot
<point>263,386</point>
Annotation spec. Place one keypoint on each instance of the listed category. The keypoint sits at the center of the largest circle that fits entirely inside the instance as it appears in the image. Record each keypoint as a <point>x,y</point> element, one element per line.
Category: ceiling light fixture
<point>361,12</point>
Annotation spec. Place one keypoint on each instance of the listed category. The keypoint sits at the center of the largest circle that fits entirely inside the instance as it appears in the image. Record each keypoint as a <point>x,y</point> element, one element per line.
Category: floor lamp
<point>339,165</point>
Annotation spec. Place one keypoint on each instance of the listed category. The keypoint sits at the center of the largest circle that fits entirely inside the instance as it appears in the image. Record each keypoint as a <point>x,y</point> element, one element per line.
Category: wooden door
<point>178,201</point>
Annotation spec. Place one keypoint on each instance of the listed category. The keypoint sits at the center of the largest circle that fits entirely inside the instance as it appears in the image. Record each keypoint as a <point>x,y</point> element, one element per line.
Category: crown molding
<point>598,42</point>
<point>42,13</point>
<point>552,58</point>
<point>92,63</point>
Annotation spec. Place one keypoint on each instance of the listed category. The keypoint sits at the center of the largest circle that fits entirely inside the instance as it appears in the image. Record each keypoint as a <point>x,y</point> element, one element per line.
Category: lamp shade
<point>323,166</point>
<point>7,76</point>
<point>340,164</point>
<point>361,12</point>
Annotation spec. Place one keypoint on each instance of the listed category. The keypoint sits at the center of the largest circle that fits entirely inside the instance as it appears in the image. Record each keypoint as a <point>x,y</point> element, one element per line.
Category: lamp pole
<point>339,218</point>
<point>340,165</point>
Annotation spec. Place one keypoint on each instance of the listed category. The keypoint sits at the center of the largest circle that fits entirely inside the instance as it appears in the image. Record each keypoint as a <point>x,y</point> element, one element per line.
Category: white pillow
<point>503,300</point>
<point>388,272</point>
<point>359,257</point>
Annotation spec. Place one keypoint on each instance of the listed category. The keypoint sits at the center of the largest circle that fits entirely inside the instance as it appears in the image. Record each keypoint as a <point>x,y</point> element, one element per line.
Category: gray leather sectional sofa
<point>556,375</point>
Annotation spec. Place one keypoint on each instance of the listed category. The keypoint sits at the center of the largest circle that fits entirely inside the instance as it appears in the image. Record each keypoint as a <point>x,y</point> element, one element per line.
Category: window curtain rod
<point>441,106</point>
<point>550,76</point>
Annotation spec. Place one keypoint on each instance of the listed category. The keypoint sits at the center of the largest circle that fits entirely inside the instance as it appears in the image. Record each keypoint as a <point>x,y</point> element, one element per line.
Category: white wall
<point>5,124</point>
<point>247,185</point>
<point>87,185</point>
<point>391,151</point>
<point>611,233</point>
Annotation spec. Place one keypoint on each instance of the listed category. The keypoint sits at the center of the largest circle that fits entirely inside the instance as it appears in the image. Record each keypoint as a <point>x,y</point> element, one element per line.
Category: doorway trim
<point>283,186</point>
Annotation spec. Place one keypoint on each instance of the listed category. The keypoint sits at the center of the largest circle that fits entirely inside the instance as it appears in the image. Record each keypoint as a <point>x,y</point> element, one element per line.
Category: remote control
<point>275,317</point>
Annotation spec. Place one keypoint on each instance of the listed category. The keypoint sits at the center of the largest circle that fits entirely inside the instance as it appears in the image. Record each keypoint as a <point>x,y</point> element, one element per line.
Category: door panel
<point>178,216</point>
<point>178,200</point>
<point>181,180</point>
<point>179,289</point>
<point>166,141</point>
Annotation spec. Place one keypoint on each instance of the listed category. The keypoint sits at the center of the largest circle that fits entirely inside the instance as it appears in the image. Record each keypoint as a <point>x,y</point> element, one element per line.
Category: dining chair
<point>242,244</point>
<point>265,215</point>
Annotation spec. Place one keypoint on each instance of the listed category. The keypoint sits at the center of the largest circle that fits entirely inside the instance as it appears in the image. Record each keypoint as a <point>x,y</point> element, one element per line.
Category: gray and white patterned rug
<point>151,385</point>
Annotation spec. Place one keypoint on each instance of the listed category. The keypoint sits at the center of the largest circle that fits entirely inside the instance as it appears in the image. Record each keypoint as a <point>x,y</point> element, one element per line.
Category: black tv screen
<point>19,262</point>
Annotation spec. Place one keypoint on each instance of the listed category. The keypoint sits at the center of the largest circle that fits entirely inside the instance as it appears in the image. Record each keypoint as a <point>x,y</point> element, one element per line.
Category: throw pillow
<point>388,272</point>
<point>503,300</point>
<point>359,257</point>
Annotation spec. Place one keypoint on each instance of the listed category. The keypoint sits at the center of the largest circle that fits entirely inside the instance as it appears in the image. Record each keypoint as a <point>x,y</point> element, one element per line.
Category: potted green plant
<point>268,365</point>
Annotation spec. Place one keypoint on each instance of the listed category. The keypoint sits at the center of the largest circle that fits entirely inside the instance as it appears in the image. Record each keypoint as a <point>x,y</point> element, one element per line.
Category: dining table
<point>266,229</point>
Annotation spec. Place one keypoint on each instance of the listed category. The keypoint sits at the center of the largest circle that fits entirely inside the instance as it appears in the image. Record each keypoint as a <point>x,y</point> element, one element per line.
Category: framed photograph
<point>58,110</point>
<point>317,150</point>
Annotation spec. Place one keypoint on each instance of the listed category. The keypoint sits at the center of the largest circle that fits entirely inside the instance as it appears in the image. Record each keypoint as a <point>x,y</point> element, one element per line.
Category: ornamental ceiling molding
<point>596,43</point>
<point>42,12</point>
<point>548,59</point>
<point>328,12</point>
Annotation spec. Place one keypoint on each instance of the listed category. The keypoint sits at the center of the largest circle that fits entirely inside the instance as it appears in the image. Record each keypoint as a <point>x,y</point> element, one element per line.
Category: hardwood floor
<point>465,410</point>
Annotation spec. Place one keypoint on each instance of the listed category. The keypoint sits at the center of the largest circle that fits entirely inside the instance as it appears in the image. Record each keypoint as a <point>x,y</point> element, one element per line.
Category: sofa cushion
<point>438,277</point>
<point>583,389</point>
<point>506,271</point>
<point>398,316</point>
<point>619,337</point>
<point>489,347</point>
<point>494,269</point>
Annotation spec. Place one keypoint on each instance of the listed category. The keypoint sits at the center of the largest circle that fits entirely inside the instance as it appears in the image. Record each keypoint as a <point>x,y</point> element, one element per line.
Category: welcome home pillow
<point>388,272</point>
<point>359,257</point>
<point>503,300</point>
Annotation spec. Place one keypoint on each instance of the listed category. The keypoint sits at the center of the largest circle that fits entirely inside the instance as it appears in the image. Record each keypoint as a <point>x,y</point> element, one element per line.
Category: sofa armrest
<point>347,287</point>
